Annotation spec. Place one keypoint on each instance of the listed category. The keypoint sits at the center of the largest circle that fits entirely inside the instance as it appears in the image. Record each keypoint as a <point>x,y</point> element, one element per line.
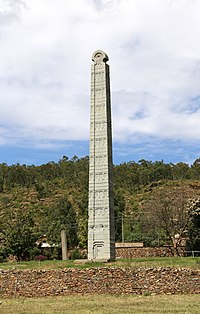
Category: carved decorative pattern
<point>99,56</point>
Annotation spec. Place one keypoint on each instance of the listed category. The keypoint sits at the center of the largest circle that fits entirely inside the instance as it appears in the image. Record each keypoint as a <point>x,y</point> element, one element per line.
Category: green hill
<point>153,202</point>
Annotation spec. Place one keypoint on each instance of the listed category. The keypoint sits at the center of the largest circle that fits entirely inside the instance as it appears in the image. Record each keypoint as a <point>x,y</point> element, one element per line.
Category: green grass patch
<point>185,262</point>
<point>173,304</point>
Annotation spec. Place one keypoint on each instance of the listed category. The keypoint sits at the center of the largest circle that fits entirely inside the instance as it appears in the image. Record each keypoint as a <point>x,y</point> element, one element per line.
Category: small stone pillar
<point>64,245</point>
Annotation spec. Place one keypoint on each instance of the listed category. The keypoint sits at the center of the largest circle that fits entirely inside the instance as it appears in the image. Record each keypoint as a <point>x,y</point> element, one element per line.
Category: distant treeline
<point>74,171</point>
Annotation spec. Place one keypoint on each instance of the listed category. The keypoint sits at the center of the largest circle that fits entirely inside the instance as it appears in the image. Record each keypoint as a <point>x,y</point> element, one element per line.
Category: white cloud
<point>46,47</point>
<point>10,11</point>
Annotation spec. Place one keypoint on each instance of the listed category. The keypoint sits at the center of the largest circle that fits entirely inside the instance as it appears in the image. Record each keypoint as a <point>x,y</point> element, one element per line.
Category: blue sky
<point>45,57</point>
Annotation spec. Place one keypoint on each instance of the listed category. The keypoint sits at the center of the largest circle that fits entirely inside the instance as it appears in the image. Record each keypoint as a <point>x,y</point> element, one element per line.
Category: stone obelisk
<point>101,233</point>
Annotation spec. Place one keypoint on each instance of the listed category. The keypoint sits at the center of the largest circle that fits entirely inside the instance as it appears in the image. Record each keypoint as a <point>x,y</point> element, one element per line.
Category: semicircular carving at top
<point>99,56</point>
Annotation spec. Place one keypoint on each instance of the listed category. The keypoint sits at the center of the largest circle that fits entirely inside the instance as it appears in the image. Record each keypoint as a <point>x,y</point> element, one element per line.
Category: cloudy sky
<point>45,57</point>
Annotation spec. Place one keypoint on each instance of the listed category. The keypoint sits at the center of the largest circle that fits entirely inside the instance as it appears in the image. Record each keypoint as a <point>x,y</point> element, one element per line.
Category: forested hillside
<point>153,201</point>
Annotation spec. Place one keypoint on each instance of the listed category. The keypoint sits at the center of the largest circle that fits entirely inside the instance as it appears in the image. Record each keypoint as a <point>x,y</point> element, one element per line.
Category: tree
<point>180,171</point>
<point>119,207</point>
<point>61,216</point>
<point>18,233</point>
<point>195,169</point>
<point>167,211</point>
<point>193,242</point>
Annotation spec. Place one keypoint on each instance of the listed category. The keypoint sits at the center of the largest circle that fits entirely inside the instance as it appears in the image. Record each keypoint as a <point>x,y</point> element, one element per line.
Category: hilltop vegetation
<point>152,204</point>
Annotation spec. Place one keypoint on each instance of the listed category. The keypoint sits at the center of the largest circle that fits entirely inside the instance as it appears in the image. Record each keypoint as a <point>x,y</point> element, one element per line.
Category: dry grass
<point>103,304</point>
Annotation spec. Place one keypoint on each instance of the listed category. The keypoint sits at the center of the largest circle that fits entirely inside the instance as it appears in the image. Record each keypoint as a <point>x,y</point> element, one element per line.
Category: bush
<point>2,258</point>
<point>76,254</point>
<point>2,255</point>
<point>36,251</point>
<point>40,258</point>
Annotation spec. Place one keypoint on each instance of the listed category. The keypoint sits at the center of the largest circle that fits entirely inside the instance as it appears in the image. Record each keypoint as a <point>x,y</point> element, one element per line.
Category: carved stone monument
<point>101,233</point>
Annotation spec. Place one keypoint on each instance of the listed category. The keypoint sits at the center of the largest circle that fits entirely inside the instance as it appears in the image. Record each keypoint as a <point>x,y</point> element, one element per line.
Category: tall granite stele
<point>101,231</point>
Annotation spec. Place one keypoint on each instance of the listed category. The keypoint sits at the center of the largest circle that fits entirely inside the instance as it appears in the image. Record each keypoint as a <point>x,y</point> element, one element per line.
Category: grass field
<point>186,262</point>
<point>103,304</point>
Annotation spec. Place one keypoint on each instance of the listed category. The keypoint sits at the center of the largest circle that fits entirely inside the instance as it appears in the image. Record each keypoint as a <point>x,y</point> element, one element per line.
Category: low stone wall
<point>132,252</point>
<point>40,283</point>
